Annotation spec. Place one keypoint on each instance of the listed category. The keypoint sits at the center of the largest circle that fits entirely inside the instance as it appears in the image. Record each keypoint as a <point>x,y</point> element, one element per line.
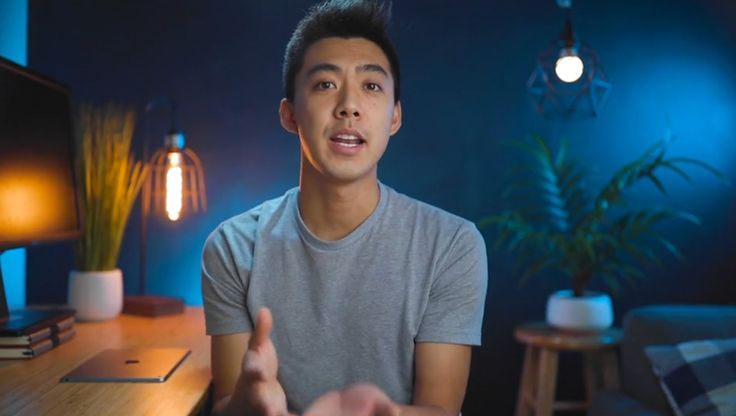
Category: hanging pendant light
<point>569,67</point>
<point>568,80</point>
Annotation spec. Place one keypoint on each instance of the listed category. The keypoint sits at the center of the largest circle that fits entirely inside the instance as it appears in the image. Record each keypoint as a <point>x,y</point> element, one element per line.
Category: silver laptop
<point>142,365</point>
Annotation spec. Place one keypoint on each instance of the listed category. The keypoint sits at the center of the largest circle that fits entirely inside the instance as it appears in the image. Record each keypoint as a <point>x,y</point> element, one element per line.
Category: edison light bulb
<point>569,66</point>
<point>173,185</point>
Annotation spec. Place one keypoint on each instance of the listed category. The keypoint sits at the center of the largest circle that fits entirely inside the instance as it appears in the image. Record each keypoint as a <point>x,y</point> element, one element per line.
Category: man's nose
<point>348,106</point>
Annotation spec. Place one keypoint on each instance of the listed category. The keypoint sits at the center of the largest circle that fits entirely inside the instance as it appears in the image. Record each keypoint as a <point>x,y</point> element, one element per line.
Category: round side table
<point>539,375</point>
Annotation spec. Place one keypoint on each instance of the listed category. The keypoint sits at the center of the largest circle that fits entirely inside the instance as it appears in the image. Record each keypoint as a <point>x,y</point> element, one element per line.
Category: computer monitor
<point>38,196</point>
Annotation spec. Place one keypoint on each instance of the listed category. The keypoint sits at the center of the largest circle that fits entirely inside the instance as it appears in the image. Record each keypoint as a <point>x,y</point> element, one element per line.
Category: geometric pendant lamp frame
<point>555,99</point>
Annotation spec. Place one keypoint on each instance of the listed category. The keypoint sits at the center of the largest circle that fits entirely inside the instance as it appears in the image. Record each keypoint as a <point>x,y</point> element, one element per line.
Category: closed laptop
<point>143,365</point>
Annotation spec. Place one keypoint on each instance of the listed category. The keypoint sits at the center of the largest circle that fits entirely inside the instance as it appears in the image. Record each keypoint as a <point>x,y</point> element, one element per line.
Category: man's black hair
<point>366,19</point>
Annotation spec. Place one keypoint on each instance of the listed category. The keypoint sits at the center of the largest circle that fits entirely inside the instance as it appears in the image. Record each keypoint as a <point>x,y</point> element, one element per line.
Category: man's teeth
<point>347,139</point>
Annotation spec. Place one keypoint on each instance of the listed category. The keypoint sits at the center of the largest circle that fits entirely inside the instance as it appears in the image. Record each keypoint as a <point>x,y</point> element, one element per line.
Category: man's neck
<point>332,210</point>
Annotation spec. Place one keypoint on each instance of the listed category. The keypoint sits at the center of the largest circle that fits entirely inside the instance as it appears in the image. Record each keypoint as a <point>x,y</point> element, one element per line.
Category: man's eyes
<point>372,86</point>
<point>326,85</point>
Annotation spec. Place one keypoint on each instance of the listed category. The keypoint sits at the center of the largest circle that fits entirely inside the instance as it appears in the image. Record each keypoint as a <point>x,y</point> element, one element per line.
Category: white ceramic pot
<point>96,295</point>
<point>590,312</point>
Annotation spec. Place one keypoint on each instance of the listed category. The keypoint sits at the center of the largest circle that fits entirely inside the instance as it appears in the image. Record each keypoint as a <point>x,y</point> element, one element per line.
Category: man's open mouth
<point>347,140</point>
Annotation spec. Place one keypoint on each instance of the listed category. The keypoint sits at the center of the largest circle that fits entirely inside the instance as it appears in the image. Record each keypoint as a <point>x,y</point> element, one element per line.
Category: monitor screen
<point>38,201</point>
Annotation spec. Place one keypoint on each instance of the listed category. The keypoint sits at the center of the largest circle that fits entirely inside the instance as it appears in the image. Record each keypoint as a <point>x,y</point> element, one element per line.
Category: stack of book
<point>30,333</point>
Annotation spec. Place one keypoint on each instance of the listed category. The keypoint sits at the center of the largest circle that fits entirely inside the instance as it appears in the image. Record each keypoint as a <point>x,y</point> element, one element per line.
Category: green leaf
<point>561,153</point>
<point>535,268</point>
<point>657,183</point>
<point>702,165</point>
<point>673,167</point>
<point>671,248</point>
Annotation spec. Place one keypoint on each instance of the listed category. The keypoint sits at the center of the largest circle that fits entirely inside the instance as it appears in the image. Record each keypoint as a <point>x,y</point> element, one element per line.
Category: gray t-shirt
<point>350,310</point>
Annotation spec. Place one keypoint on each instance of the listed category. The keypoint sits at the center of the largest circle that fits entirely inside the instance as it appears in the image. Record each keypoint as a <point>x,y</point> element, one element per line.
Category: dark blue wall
<point>464,67</point>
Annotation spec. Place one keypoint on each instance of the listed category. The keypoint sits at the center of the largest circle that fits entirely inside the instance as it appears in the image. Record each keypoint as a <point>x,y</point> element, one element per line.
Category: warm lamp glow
<point>569,67</point>
<point>177,180</point>
<point>32,203</point>
<point>174,184</point>
<point>19,202</point>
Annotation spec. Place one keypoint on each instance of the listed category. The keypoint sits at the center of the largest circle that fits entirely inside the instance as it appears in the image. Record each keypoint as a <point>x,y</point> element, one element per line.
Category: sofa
<point>640,393</point>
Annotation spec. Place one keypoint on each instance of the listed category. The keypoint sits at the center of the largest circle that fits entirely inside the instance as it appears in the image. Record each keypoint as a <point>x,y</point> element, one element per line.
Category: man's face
<point>343,109</point>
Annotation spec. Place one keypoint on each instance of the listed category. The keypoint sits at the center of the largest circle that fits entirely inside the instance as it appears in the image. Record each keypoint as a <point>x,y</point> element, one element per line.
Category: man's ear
<point>286,115</point>
<point>396,119</point>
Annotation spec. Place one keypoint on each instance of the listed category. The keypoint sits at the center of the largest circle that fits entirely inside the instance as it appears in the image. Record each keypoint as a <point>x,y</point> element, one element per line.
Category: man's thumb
<point>264,324</point>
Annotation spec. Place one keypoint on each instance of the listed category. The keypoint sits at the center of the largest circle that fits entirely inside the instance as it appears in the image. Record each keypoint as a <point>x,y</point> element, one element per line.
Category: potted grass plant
<point>109,179</point>
<point>554,223</point>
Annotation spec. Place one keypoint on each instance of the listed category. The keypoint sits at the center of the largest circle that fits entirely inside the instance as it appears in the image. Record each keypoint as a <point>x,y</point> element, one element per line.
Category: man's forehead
<point>344,54</point>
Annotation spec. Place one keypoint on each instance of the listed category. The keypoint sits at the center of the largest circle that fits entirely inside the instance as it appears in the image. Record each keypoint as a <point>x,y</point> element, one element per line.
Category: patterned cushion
<point>698,377</point>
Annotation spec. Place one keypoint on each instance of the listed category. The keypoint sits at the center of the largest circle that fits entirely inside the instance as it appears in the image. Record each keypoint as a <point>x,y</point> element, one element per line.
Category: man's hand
<point>258,390</point>
<point>357,400</point>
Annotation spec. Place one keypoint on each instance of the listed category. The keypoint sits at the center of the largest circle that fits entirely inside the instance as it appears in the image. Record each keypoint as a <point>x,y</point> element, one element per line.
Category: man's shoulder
<point>246,224</point>
<point>427,215</point>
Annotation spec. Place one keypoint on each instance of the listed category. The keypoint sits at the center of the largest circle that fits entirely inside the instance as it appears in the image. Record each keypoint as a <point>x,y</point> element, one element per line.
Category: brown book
<point>38,335</point>
<point>38,348</point>
<point>29,320</point>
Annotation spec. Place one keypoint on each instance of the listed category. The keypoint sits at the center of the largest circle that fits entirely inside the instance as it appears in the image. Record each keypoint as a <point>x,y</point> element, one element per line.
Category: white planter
<point>96,295</point>
<point>590,312</point>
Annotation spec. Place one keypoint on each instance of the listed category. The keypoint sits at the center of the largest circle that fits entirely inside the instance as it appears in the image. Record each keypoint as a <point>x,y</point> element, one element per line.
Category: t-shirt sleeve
<point>224,285</point>
<point>454,312</point>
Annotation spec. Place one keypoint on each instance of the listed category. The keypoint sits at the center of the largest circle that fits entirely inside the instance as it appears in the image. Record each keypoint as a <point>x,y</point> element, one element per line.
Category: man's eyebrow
<point>372,68</point>
<point>322,67</point>
<point>327,67</point>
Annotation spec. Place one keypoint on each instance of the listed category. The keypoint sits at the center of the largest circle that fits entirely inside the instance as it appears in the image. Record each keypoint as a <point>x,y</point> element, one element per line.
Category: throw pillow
<point>698,377</point>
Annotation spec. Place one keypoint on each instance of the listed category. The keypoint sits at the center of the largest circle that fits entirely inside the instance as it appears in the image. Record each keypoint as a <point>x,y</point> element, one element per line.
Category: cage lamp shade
<point>177,180</point>
<point>568,80</point>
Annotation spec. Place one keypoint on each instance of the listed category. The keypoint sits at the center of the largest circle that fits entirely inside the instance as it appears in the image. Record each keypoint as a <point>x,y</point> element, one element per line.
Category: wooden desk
<point>539,375</point>
<point>31,387</point>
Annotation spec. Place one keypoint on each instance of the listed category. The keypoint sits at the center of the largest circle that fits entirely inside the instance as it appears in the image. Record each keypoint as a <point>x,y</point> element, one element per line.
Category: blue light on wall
<point>14,30</point>
<point>13,46</point>
<point>13,264</point>
<point>666,93</point>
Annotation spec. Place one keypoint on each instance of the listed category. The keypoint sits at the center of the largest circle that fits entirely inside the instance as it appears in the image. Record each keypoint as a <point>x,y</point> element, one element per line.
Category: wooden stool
<point>539,376</point>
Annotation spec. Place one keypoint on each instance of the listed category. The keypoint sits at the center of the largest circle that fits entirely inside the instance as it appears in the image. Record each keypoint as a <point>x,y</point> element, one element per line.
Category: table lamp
<point>175,188</point>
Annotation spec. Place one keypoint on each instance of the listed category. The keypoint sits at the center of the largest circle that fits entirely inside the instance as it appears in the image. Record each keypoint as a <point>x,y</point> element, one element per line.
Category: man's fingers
<point>253,367</point>
<point>329,404</point>
<point>356,400</point>
<point>367,400</point>
<point>264,324</point>
<point>386,409</point>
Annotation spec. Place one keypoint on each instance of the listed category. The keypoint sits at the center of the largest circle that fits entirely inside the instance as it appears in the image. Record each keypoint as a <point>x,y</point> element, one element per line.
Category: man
<point>343,296</point>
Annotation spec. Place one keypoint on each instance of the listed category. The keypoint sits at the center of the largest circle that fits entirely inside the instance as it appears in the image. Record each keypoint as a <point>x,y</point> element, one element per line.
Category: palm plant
<point>557,225</point>
<point>109,180</point>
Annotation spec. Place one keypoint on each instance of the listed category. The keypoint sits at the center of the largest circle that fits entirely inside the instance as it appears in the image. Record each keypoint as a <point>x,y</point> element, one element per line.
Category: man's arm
<point>451,323</point>
<point>440,379</point>
<point>226,352</point>
<point>251,387</point>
